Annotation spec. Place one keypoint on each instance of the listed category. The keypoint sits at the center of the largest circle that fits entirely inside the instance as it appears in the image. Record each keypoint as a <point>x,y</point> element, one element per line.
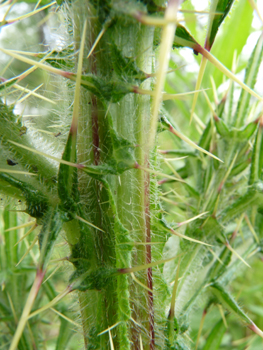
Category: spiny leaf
<point>227,300</point>
<point>112,91</point>
<point>240,167</point>
<point>125,67</point>
<point>177,152</point>
<point>168,126</point>
<point>218,11</point>
<point>28,250</point>
<point>220,264</point>
<point>239,25</point>
<point>94,280</point>
<point>7,83</point>
<point>27,308</point>
<point>205,139</point>
<point>257,157</point>
<point>11,130</point>
<point>60,59</point>
<point>214,22</point>
<point>250,80</point>
<point>89,223</point>
<point>227,72</point>
<point>79,166</point>
<point>52,225</point>
<point>37,202</point>
<point>28,233</point>
<point>121,156</point>
<point>183,38</point>
<point>236,254</point>
<point>68,179</point>
<point>214,339</point>
<point>253,196</point>
<point>103,9</point>
<point>39,64</point>
<point>166,45</point>
<point>29,14</point>
<point>191,43</point>
<point>68,176</point>
<point>188,238</point>
<point>244,133</point>
<point>123,152</point>
<point>198,84</point>
<point>221,127</point>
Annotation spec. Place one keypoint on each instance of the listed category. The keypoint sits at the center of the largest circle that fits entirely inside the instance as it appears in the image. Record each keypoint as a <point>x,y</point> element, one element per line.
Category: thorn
<point>188,238</point>
<point>26,234</point>
<point>200,328</point>
<point>30,13</point>
<point>222,314</point>
<point>167,38</point>
<point>65,317</point>
<point>237,255</point>
<point>191,143</point>
<point>10,171</point>
<point>192,219</point>
<point>79,166</point>
<point>27,308</point>
<point>146,266</point>
<point>88,223</point>
<point>96,41</point>
<point>53,302</point>
<point>108,329</point>
<point>21,226</point>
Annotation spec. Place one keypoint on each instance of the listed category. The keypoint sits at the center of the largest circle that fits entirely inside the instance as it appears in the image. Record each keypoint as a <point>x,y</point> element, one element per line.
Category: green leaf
<point>214,339</point>
<point>221,127</point>
<point>123,152</point>
<point>37,202</point>
<point>244,133</point>
<point>68,177</point>
<point>12,129</point>
<point>102,8</point>
<point>218,11</point>
<point>228,301</point>
<point>65,333</point>
<point>179,153</point>
<point>243,203</point>
<point>239,168</point>
<point>239,135</point>
<point>233,36</point>
<point>61,59</point>
<point>183,38</point>
<point>250,80</point>
<point>94,280</point>
<point>112,91</point>
<point>205,139</point>
<point>7,83</point>
<point>257,157</point>
<point>125,67</point>
<point>120,158</point>
<point>52,225</point>
<point>191,21</point>
<point>217,269</point>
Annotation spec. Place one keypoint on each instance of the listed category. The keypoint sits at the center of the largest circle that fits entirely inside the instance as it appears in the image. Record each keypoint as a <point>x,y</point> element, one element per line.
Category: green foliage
<point>219,10</point>
<point>150,240</point>
<point>215,337</point>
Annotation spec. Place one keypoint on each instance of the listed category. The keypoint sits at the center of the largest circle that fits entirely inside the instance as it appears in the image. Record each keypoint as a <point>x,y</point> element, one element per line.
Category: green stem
<point>129,218</point>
